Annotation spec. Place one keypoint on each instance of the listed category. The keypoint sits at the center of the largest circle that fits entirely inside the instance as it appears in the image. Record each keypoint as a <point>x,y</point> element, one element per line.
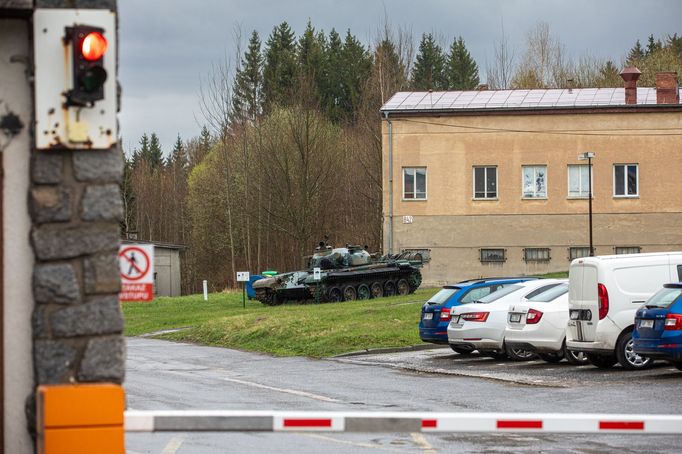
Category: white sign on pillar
<point>242,276</point>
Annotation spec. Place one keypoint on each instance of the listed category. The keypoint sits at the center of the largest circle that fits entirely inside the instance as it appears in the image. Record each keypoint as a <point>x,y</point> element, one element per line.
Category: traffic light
<point>88,46</point>
<point>75,69</point>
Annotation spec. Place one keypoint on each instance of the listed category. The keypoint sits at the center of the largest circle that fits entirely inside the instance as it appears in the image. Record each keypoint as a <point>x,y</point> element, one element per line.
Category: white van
<point>603,295</point>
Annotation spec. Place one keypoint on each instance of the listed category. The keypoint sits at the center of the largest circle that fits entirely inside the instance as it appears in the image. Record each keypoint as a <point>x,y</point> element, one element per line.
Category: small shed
<point>167,267</point>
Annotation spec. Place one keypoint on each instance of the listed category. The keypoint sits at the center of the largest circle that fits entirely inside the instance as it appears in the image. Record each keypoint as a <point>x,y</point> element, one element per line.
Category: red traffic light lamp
<point>88,46</point>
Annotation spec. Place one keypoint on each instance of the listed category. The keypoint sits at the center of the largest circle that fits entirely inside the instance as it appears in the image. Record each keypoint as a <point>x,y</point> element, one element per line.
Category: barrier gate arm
<point>291,421</point>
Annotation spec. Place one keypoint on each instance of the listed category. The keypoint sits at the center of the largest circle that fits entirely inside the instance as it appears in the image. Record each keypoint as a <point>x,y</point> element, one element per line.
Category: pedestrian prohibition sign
<point>136,264</point>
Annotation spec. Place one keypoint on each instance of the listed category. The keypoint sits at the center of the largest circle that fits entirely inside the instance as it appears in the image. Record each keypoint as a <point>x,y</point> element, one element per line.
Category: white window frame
<point>426,184</point>
<point>625,176</point>
<point>534,197</point>
<point>485,182</point>
<point>568,182</point>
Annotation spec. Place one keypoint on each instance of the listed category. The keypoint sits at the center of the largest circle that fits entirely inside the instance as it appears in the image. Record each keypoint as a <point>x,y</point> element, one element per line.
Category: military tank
<point>345,274</point>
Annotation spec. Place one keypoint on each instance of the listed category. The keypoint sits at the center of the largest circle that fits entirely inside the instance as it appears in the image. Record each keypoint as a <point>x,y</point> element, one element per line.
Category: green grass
<point>315,330</point>
<point>557,275</point>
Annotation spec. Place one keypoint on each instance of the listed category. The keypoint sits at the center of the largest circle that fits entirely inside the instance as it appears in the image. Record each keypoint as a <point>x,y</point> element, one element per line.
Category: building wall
<point>167,271</point>
<point>455,226</point>
<point>15,96</point>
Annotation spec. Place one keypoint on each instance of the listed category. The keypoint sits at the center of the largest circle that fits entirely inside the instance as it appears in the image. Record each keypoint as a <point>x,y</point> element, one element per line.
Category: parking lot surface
<point>444,361</point>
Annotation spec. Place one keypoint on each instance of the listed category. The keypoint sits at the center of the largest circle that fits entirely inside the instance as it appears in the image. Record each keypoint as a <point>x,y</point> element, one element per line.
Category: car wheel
<point>493,354</point>
<point>574,357</point>
<point>519,354</point>
<point>363,292</point>
<point>376,289</point>
<point>552,357</point>
<point>461,349</point>
<point>601,361</point>
<point>678,366</point>
<point>627,357</point>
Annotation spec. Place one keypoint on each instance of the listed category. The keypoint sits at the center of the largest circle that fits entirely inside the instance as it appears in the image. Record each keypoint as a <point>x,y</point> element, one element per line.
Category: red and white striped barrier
<point>286,421</point>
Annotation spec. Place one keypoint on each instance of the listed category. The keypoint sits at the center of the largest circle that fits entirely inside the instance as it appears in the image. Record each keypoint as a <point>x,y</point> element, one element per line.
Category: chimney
<point>630,76</point>
<point>667,88</point>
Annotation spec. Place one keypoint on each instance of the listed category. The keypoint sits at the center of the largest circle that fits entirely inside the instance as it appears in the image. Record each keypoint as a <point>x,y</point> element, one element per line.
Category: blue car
<point>658,326</point>
<point>435,315</point>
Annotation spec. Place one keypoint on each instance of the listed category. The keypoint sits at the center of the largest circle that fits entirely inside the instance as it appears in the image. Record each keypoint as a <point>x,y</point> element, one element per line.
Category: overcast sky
<point>167,46</point>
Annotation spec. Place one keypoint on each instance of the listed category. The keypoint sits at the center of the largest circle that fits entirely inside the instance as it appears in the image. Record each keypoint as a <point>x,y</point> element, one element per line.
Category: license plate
<point>646,323</point>
<point>428,315</point>
<point>514,318</point>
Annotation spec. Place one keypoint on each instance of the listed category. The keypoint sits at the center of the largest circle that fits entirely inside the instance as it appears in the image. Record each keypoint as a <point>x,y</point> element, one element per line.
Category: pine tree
<point>332,92</point>
<point>653,45</point>
<point>178,157</point>
<point>461,69</point>
<point>247,96</point>
<point>310,57</point>
<point>674,42</point>
<point>142,152</point>
<point>280,70</point>
<point>429,69</point>
<point>609,76</point>
<point>635,55</point>
<point>155,155</point>
<point>355,69</point>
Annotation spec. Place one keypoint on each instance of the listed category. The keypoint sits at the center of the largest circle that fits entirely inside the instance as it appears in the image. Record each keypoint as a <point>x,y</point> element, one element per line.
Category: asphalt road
<point>165,375</point>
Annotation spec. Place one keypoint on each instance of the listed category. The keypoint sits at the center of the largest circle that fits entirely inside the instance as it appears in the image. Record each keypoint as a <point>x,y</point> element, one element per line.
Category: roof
<point>158,244</point>
<point>406,101</point>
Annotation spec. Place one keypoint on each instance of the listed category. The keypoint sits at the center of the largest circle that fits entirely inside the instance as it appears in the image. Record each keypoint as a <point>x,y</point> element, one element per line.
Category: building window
<point>485,182</point>
<point>578,252</point>
<point>628,249</point>
<point>536,254</point>
<point>414,183</point>
<point>625,180</point>
<point>493,255</point>
<point>578,181</point>
<point>535,182</point>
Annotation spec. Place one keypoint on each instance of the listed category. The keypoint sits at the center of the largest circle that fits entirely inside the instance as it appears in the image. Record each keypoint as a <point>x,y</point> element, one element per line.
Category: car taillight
<point>533,316</point>
<point>603,300</point>
<point>445,314</point>
<point>475,316</point>
<point>673,322</point>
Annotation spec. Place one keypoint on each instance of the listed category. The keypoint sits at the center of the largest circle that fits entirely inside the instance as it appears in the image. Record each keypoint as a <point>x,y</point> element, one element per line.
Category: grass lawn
<point>315,330</point>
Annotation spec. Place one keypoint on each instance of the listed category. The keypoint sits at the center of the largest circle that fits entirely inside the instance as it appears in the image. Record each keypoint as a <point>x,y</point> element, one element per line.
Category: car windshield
<point>498,294</point>
<point>442,295</point>
<point>546,295</point>
<point>664,298</point>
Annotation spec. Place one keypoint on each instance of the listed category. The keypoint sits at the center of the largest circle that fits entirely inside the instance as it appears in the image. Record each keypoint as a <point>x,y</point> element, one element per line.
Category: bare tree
<point>501,72</point>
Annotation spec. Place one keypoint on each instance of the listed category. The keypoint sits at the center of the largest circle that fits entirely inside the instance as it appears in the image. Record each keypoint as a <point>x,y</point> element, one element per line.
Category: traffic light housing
<point>75,70</point>
<point>88,48</point>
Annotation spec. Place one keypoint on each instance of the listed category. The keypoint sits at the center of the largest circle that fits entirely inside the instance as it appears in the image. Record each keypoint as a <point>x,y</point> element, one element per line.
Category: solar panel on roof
<point>578,97</point>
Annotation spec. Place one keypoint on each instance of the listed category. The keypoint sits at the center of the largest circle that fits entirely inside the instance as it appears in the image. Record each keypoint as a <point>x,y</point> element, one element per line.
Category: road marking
<point>173,445</point>
<point>351,443</point>
<point>283,390</point>
<point>424,445</point>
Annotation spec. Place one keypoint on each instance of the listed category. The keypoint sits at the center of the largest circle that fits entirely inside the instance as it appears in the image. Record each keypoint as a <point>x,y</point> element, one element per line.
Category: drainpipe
<point>390,183</point>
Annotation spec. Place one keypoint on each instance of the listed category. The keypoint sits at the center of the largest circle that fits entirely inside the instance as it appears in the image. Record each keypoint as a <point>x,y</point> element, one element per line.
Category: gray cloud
<point>166,46</point>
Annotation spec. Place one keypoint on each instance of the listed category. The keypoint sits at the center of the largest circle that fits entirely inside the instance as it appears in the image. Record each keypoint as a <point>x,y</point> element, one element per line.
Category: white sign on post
<point>242,276</point>
<point>317,274</point>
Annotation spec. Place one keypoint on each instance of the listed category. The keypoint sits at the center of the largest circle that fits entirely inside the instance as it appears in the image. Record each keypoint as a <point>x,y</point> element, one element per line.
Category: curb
<point>373,351</point>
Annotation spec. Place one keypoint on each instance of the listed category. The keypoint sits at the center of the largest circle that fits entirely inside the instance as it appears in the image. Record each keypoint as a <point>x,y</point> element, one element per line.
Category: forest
<point>290,149</point>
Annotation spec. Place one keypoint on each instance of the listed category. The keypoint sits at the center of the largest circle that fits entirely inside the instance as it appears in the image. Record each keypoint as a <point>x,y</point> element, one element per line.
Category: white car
<point>480,325</point>
<point>538,324</point>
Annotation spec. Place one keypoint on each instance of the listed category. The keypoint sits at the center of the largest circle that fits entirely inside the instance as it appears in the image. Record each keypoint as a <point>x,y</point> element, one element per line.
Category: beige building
<point>491,183</point>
